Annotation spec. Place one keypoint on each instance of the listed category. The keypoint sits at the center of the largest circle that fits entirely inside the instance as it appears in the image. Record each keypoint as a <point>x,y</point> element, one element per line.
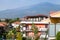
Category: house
<point>3,26</point>
<point>39,22</point>
<point>16,24</point>
<point>54,25</point>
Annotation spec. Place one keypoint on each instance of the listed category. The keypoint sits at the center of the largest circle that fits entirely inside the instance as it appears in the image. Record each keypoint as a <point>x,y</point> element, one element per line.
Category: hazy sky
<point>11,4</point>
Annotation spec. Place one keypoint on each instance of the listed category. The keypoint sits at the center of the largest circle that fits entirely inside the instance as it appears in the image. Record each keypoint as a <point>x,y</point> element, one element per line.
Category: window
<point>51,30</point>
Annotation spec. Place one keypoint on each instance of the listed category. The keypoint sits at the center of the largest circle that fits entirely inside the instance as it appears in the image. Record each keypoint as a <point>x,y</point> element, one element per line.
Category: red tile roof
<point>3,24</point>
<point>17,22</point>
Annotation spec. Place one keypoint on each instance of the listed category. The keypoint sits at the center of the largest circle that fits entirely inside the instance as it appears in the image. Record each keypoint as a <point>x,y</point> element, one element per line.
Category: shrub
<point>58,36</point>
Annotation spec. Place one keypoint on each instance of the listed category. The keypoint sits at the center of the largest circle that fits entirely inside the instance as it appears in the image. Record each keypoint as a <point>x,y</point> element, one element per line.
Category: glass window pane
<point>51,30</point>
<point>57,28</point>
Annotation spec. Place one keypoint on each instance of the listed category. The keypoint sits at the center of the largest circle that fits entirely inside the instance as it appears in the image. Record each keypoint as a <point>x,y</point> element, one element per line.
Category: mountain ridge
<point>41,8</point>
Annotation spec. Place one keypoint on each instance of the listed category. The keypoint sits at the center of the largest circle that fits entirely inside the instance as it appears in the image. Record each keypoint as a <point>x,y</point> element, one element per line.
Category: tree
<point>10,35</point>
<point>18,33</point>
<point>17,18</point>
<point>35,30</point>
<point>1,32</point>
<point>18,36</point>
<point>58,36</point>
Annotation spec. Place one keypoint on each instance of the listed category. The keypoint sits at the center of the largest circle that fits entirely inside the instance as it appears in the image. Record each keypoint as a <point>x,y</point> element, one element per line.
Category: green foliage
<point>58,36</point>
<point>34,28</point>
<point>18,36</point>
<point>12,20</point>
<point>29,38</point>
<point>18,33</point>
<point>7,20</point>
<point>14,31</point>
<point>17,19</point>
<point>9,35</point>
<point>37,38</point>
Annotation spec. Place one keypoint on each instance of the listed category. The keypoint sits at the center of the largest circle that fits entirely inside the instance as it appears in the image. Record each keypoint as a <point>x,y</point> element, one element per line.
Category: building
<point>54,25</point>
<point>16,24</point>
<point>3,26</point>
<point>39,21</point>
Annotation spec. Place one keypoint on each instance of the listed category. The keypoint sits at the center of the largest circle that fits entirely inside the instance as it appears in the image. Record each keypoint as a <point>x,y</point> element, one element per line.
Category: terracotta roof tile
<point>17,22</point>
<point>3,23</point>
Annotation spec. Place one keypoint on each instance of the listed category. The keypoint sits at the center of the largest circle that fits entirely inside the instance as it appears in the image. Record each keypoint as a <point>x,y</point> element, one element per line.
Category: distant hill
<point>42,8</point>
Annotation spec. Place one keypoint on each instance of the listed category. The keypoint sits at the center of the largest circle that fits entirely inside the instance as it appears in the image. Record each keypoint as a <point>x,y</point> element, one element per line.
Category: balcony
<point>42,29</point>
<point>26,29</point>
<point>43,36</point>
<point>35,22</point>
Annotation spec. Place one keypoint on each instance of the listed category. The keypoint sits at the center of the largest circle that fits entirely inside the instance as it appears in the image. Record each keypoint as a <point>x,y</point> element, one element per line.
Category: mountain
<point>42,8</point>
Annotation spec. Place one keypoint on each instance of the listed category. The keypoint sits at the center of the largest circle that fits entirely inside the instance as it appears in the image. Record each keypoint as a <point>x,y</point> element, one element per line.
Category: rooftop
<point>39,15</point>
<point>55,14</point>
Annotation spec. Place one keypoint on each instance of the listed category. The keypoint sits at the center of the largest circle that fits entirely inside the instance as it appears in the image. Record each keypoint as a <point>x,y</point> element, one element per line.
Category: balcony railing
<point>43,36</point>
<point>40,29</point>
<point>30,22</point>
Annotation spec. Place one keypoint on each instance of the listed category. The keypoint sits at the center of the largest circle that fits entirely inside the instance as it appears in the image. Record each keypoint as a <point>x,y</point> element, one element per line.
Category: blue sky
<point>11,4</point>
